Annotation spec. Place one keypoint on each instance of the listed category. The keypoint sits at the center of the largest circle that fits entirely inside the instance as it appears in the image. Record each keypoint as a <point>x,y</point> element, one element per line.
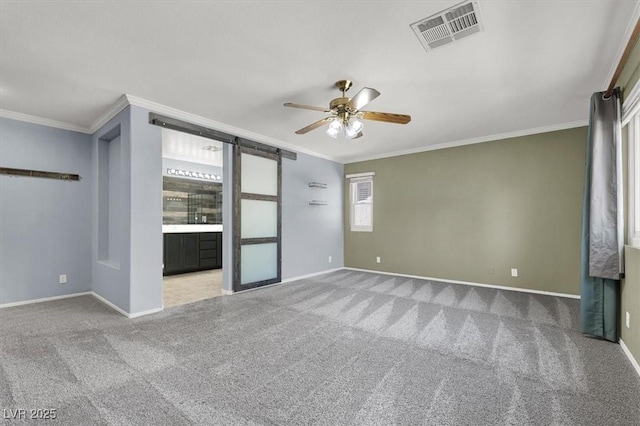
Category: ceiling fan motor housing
<point>339,104</point>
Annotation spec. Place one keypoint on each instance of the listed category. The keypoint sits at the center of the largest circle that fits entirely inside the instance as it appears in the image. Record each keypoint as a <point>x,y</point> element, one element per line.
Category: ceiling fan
<point>346,114</point>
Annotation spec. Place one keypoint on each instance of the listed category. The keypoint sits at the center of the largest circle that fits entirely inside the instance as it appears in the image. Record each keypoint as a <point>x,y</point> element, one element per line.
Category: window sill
<point>632,247</point>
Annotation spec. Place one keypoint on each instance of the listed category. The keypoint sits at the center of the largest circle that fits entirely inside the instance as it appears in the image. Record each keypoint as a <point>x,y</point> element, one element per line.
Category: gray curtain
<point>602,221</point>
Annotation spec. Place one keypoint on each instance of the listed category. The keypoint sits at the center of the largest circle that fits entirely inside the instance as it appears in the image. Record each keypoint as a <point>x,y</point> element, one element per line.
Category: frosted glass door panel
<point>259,175</point>
<point>259,262</point>
<point>259,219</point>
<point>258,202</point>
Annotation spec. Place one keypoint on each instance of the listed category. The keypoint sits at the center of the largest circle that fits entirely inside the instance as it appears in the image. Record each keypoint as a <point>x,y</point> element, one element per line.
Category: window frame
<point>631,118</point>
<point>354,180</point>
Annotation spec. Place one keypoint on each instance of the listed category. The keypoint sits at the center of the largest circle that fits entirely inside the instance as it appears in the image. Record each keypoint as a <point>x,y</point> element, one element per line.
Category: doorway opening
<point>192,205</point>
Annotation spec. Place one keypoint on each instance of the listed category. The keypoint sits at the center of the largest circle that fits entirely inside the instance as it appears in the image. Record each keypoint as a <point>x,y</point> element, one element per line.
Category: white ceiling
<point>535,65</point>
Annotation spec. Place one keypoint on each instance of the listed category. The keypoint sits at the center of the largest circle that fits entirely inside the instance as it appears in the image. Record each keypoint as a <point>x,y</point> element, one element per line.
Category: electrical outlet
<point>514,272</point>
<point>377,259</point>
<point>330,259</point>
<point>62,279</point>
<point>628,319</point>
<point>492,270</point>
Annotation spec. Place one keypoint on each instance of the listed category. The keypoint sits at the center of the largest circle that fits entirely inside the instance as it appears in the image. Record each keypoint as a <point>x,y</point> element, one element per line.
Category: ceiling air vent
<point>459,21</point>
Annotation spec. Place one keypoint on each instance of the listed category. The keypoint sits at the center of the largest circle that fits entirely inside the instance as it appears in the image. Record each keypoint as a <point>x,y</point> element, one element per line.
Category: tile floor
<point>192,287</point>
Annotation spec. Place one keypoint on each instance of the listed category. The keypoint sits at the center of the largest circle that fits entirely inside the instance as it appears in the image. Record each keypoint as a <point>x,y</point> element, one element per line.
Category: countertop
<point>174,229</point>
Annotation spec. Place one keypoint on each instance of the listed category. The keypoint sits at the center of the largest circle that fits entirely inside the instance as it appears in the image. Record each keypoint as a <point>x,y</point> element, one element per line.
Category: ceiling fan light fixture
<point>354,127</point>
<point>347,114</point>
<point>334,129</point>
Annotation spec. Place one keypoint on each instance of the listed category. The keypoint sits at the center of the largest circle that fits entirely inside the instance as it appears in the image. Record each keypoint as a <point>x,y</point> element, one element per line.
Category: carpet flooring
<point>345,348</point>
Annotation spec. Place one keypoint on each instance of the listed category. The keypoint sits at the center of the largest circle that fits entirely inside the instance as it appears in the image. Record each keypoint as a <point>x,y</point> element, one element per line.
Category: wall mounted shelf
<point>317,185</point>
<point>321,186</point>
<point>38,173</point>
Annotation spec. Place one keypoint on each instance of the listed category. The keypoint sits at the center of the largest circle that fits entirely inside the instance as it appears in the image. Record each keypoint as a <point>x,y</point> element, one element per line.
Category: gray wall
<point>45,225</point>
<point>227,218</point>
<point>112,194</point>
<point>310,234</point>
<point>146,212</point>
<point>133,282</point>
<point>59,227</point>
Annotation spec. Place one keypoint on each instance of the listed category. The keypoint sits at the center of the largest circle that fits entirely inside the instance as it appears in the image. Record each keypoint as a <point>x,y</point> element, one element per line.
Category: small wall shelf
<point>317,185</point>
<point>39,174</point>
<point>321,186</point>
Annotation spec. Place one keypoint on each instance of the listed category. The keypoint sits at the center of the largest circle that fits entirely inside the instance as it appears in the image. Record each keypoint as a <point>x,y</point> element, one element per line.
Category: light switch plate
<point>514,272</point>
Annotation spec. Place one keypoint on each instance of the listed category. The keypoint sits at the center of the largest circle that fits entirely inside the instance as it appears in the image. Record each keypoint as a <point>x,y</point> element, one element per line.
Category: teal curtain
<point>602,221</point>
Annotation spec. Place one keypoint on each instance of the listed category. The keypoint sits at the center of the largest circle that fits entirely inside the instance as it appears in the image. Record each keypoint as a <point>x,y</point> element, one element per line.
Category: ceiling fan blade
<point>386,116</point>
<point>313,126</point>
<point>362,98</point>
<point>313,108</point>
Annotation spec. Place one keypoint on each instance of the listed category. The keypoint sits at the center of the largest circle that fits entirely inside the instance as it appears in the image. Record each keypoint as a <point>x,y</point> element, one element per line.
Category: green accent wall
<point>631,302</point>
<point>472,213</point>
<point>630,285</point>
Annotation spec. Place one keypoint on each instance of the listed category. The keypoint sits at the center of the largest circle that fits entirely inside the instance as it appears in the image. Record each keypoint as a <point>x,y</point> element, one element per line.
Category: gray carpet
<point>346,348</point>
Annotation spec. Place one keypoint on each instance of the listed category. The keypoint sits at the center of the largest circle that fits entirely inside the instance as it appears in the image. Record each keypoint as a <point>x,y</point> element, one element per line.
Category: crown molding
<point>472,141</point>
<point>42,121</point>
<point>222,127</point>
<point>108,114</point>
<point>102,119</point>
<point>126,100</point>
<point>623,44</point>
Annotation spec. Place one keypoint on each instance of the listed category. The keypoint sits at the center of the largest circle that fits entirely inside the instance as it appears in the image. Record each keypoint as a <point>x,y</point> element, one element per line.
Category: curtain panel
<point>602,220</point>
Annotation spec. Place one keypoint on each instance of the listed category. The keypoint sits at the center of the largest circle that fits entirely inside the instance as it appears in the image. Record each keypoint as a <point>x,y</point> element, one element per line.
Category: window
<point>634,180</point>
<point>631,115</point>
<point>361,201</point>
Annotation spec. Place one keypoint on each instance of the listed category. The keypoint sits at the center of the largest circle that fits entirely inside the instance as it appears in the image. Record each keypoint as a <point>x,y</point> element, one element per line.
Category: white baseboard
<point>147,312</point>
<point>44,299</point>
<point>285,281</point>
<point>122,311</point>
<point>226,292</point>
<point>302,277</point>
<point>499,287</point>
<point>629,355</point>
<point>85,293</point>
<point>109,304</point>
